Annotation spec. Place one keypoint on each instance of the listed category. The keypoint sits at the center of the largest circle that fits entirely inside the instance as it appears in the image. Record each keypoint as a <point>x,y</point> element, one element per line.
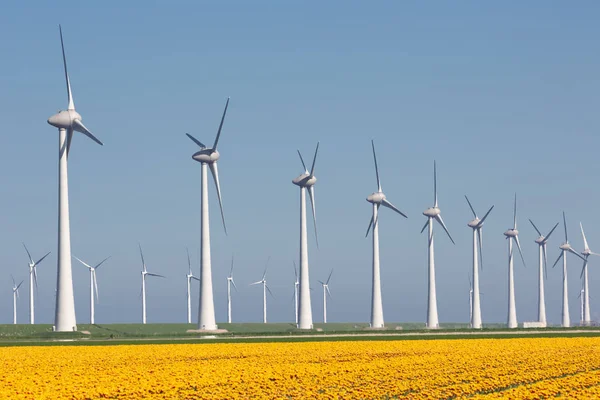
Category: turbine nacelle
<point>64,119</point>
<point>376,198</point>
<point>207,156</point>
<point>475,224</point>
<point>305,180</point>
<point>541,240</point>
<point>511,233</point>
<point>565,246</point>
<point>432,212</point>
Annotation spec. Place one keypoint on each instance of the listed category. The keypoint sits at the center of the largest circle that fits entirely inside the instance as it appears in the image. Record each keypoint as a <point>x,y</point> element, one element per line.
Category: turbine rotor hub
<point>376,198</point>
<point>305,180</point>
<point>540,240</point>
<point>511,233</point>
<point>432,212</point>
<point>565,246</point>
<point>207,156</point>
<point>474,224</point>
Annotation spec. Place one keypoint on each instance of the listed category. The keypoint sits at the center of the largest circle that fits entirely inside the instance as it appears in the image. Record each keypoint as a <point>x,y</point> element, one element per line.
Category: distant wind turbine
<point>565,248</point>
<point>584,273</point>
<point>207,157</point>
<point>306,181</point>
<point>189,276</point>
<point>433,213</point>
<point>512,235</point>
<point>542,270</point>
<point>263,281</point>
<point>144,274</point>
<point>33,279</point>
<point>477,226</point>
<point>15,289</point>
<point>230,282</point>
<point>326,293</point>
<point>93,285</point>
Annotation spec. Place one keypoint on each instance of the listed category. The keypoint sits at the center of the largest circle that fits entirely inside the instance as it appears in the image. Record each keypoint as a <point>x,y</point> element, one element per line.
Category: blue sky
<point>503,96</point>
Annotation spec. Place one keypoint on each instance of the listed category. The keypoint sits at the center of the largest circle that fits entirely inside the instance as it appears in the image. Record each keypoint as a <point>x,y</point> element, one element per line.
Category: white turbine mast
<point>306,182</point>
<point>33,281</point>
<point>189,276</point>
<point>564,249</point>
<point>230,282</point>
<point>470,301</point>
<point>477,225</point>
<point>433,213</point>
<point>542,270</point>
<point>15,289</point>
<point>512,235</point>
<point>263,281</point>
<point>296,284</point>
<point>326,293</point>
<point>207,157</point>
<point>143,292</point>
<point>93,285</point>
<point>586,253</point>
<point>67,121</point>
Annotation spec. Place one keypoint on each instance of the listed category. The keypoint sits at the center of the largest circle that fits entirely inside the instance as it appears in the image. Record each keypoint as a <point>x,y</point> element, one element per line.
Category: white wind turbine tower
<point>584,273</point>
<point>263,281</point>
<point>470,301</point>
<point>581,305</point>
<point>542,270</point>
<point>207,157</point>
<point>15,290</point>
<point>512,235</point>
<point>33,280</point>
<point>565,248</point>
<point>433,213</point>
<point>477,226</point>
<point>144,274</point>
<point>230,282</point>
<point>93,285</point>
<point>67,121</point>
<point>189,278</point>
<point>306,182</point>
<point>296,284</point>
<point>326,293</point>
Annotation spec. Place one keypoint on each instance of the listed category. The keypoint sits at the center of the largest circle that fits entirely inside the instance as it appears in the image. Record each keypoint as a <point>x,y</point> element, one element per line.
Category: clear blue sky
<point>504,97</point>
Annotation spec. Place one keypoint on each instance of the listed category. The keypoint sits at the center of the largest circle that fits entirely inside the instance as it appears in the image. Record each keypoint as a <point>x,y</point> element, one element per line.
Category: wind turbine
<point>230,282</point>
<point>15,290</point>
<point>207,157</point>
<point>584,273</point>
<point>144,274</point>
<point>433,213</point>
<point>477,225</point>
<point>543,269</point>
<point>306,181</point>
<point>93,285</point>
<point>326,293</point>
<point>32,279</point>
<point>263,281</point>
<point>565,248</point>
<point>189,278</point>
<point>296,284</point>
<point>378,199</point>
<point>512,235</point>
<point>67,122</point>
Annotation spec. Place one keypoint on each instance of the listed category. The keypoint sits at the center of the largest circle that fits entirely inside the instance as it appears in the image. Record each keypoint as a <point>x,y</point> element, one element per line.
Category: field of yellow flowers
<point>528,368</point>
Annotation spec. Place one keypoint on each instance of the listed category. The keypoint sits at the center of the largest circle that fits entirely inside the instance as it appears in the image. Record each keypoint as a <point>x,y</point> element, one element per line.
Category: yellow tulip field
<point>528,368</point>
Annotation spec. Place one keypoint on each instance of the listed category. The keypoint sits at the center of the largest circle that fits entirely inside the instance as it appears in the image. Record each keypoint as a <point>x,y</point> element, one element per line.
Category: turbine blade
<point>157,275</point>
<point>266,267</point>
<point>425,226</point>
<point>41,259</point>
<point>328,292</point>
<point>515,213</point>
<point>486,215</point>
<point>13,280</point>
<point>196,278</point>
<point>189,261</point>
<point>79,127</point>
<point>19,285</point>
<point>95,283</point>
<point>565,225</point>
<point>255,283</point>
<point>545,260</point>
<point>480,248</point>
<point>69,94</point>
<point>439,219</point>
<point>583,268</point>
<point>35,278</point>
<point>312,168</point>
<point>369,228</point>
<point>193,139</point>
<point>321,282</point>
<point>558,259</point>
<point>471,207</point>
<point>585,243</point>
<point>215,174</point>
<point>269,290</point>
<point>576,253</point>
<point>233,283</point>
<point>389,205</point>
<point>221,125</point>
<point>376,167</point>
<point>101,262</point>
<point>142,256</point>
<point>535,227</point>
<point>28,254</point>
<point>295,270</point>
<point>435,199</point>
<point>520,252</point>
<point>302,161</point>
<point>231,270</point>
<point>550,233</point>
<point>69,140</point>
<point>81,261</point>
<point>329,277</point>
<point>311,194</point>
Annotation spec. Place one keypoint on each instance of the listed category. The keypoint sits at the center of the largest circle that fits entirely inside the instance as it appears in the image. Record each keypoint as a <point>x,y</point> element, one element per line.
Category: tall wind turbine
<point>67,122</point>
<point>584,273</point>
<point>189,277</point>
<point>230,282</point>
<point>15,289</point>
<point>543,269</point>
<point>433,213</point>
<point>512,235</point>
<point>306,181</point>
<point>207,157</point>
<point>565,248</point>
<point>477,225</point>
<point>378,199</point>
<point>296,284</point>
<point>93,285</point>
<point>263,281</point>
<point>326,293</point>
<point>144,274</point>
<point>32,280</point>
